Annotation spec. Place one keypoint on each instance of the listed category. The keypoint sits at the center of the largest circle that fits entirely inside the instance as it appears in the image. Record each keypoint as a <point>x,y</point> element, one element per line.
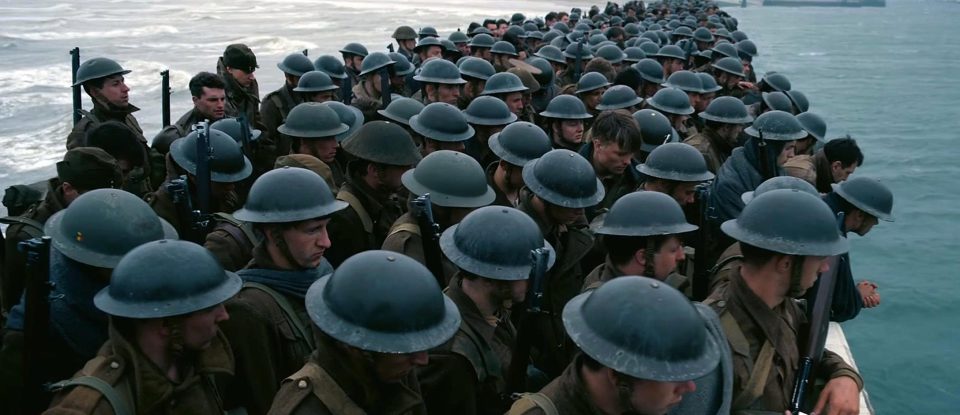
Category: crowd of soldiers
<point>499,221</point>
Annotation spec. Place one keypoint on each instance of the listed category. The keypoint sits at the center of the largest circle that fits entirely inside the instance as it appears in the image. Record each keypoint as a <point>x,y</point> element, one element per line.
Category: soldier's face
<point>563,215</point>
<point>704,101</point>
<point>787,153</point>
<point>324,149</point>
<point>610,158</point>
<point>514,101</point>
<point>666,259</point>
<point>863,222</point>
<point>211,103</point>
<point>430,52</point>
<point>841,173</point>
<point>685,193</point>
<point>307,241</point>
<point>649,397</point>
<point>244,78</point>
<point>592,98</point>
<point>322,96</point>
<point>388,177</point>
<point>392,368</point>
<point>407,44</point>
<point>569,131</point>
<point>672,65</point>
<point>813,266</point>
<point>464,48</point>
<point>114,91</point>
<point>200,327</point>
<point>694,99</point>
<point>448,93</point>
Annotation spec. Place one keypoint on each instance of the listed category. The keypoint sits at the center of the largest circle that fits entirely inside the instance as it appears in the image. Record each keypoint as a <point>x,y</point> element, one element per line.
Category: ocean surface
<point>886,76</point>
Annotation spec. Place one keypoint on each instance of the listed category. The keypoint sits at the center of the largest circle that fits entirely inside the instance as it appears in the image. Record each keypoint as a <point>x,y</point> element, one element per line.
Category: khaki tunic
<point>241,100</point>
<point>366,103</point>
<point>273,112</point>
<point>713,148</point>
<point>501,199</point>
<point>346,228</point>
<point>567,392</point>
<point>265,342</point>
<point>467,375</point>
<point>143,386</point>
<point>759,324</point>
<point>813,169</point>
<point>405,238</point>
<point>232,242</point>
<point>331,383</point>
<point>99,114</point>
<point>552,349</point>
<point>14,261</point>
<point>607,271</point>
<point>179,129</point>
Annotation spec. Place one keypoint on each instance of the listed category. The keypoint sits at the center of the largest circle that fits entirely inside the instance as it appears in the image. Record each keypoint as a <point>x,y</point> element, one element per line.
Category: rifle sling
<point>30,226</point>
<point>529,401</point>
<point>358,207</point>
<point>405,227</point>
<point>287,309</point>
<point>762,367</point>
<point>118,402</point>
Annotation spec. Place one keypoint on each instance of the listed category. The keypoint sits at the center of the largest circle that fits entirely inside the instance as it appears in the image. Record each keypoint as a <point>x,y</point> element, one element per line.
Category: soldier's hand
<point>868,291</point>
<point>746,85</point>
<point>842,395</point>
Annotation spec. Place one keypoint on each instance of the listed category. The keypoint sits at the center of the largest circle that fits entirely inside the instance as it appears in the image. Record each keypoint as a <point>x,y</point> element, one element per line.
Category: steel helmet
<point>777,126</point>
<point>671,101</point>
<point>166,278</point>
<point>563,178</point>
<point>401,109</point>
<point>655,129</point>
<point>354,49</point>
<point>315,81</point>
<point>777,101</point>
<point>227,162</point>
<point>611,53</point>
<point>383,302</point>
<point>383,142</point>
<point>288,195</point>
<point>453,179</point>
<point>685,81</point>
<point>404,33</point>
<point>799,100</point>
<point>101,226</point>
<point>439,71</point>
<point>441,122</point>
<point>618,97</point>
<point>644,214</point>
<point>487,110</point>
<point>295,64</point>
<point>566,107</point>
<point>232,127</point>
<point>504,48</point>
<point>868,195</point>
<point>312,120</point>
<point>779,182</point>
<point>727,110</point>
<point>503,83</point>
<point>677,162</point>
<point>96,68</point>
<point>650,70</point>
<point>495,255</point>
<point>729,65</point>
<point>709,84</point>
<point>814,125</point>
<point>476,68</point>
<point>330,66</point>
<point>552,54</point>
<point>591,81</point>
<point>374,61</point>
<point>520,142</point>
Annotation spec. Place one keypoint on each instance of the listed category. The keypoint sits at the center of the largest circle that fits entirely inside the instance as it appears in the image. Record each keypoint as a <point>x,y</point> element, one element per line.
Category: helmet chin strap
<point>796,277</point>
<point>281,243</point>
<point>648,253</point>
<point>624,390</point>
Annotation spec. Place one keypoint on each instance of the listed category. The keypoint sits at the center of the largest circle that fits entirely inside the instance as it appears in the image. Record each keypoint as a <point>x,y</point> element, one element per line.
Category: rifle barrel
<point>36,316</point>
<point>165,97</point>
<point>75,66</point>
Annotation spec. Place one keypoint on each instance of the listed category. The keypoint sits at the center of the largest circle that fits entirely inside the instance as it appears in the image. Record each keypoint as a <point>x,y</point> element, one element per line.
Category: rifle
<point>346,91</point>
<point>422,210</point>
<point>203,166</point>
<point>579,60</point>
<point>701,275</point>
<point>517,375</point>
<point>245,135</point>
<point>36,318</point>
<point>165,97</point>
<point>686,50</point>
<point>304,52</point>
<point>74,67</point>
<point>390,48</point>
<point>816,338</point>
<point>386,90</point>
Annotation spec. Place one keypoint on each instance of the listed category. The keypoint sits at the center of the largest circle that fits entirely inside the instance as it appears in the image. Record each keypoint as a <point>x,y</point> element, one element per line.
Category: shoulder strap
<point>476,350</point>
<point>723,263</point>
<point>358,207</point>
<point>88,114</point>
<point>530,401</point>
<point>245,228</point>
<point>753,389</point>
<point>30,226</point>
<point>327,390</point>
<point>284,304</point>
<point>405,227</point>
<point>114,398</point>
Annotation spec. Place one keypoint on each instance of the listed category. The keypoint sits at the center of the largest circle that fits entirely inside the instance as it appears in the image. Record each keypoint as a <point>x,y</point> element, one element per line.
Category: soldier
<point>456,185</point>
<point>729,75</point>
<point>236,67</point>
<point>862,201</point>
<point>406,39</point>
<point>548,85</point>
<point>675,104</point>
<point>833,163</point>
<point>724,120</point>
<point>209,103</point>
<point>619,97</point>
<point>590,89</point>
<point>383,151</point>
<point>758,160</point>
<point>672,58</point>
<point>400,111</point>
<point>88,239</point>
<point>613,143</point>
<point>461,41</point>
<point>642,235</point>
<point>476,72</point>
<point>332,66</point>
<point>480,47</point>
<point>442,127</point>
<point>516,145</point>
<point>83,169</point>
<point>554,56</point>
<point>102,79</point>
<point>559,186</point>
<point>563,121</point>
<point>377,315</point>
<point>427,48</point>
<point>316,86</point>
<point>573,54</point>
<point>277,104</point>
<point>165,300</point>
<point>781,260</point>
<point>227,168</point>
<point>468,374</point>
<point>315,129</point>
<point>367,93</point>
<point>509,88</point>
<point>440,81</point>
<point>502,52</point>
<point>269,333</point>
<point>816,133</point>
<point>487,115</point>
<point>651,77</point>
<point>402,69</point>
<point>674,169</point>
<point>353,54</point>
<point>642,343</point>
<point>690,83</point>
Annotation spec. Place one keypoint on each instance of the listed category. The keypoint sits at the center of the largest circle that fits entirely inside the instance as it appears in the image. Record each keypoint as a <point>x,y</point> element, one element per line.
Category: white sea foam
<point>104,34</point>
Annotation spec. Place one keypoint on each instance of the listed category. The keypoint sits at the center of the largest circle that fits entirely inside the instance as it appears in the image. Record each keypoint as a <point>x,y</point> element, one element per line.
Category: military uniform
<point>765,343</point>
<point>162,203</point>
<point>813,169</point>
<point>467,374</point>
<point>564,281</point>
<point>330,385</point>
<point>99,114</point>
<point>364,225</point>
<point>273,112</point>
<point>142,387</point>
<point>405,237</point>
<point>27,226</point>
<point>567,394</point>
<point>240,100</point>
<point>607,271</point>
<point>231,241</point>
<point>269,330</point>
<point>502,199</point>
<point>616,186</point>
<point>714,149</point>
<point>178,129</point>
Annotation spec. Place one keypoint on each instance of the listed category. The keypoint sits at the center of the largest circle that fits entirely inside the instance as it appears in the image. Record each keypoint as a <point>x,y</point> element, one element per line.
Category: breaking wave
<point>125,33</point>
